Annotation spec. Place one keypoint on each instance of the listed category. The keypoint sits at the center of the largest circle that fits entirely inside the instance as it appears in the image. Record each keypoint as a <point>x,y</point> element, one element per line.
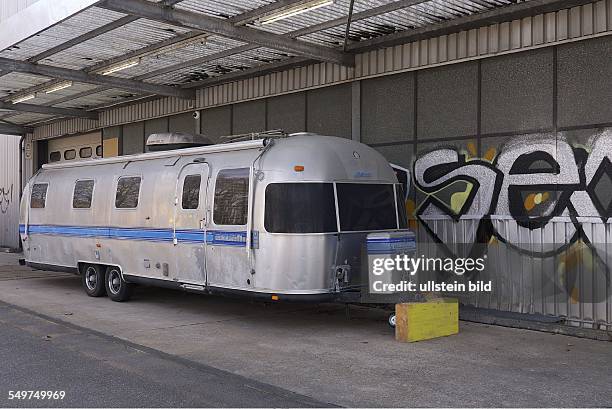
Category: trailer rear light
<point>298,168</point>
<point>275,298</point>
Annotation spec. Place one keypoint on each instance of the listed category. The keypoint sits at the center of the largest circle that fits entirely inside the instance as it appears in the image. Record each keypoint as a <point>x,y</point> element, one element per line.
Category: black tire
<point>93,278</point>
<point>116,287</point>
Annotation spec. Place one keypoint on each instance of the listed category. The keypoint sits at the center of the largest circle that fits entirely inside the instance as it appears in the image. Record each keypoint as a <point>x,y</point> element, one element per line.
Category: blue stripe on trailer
<point>389,245</point>
<point>213,237</point>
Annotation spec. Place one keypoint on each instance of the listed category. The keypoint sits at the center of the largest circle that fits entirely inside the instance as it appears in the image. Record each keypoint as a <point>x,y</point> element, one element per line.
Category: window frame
<point>214,198</point>
<point>336,204</point>
<point>199,192</point>
<point>116,185</point>
<point>60,156</point>
<point>90,152</point>
<point>263,223</point>
<point>93,191</point>
<point>46,196</point>
<point>101,151</point>
<point>70,150</point>
<point>368,183</point>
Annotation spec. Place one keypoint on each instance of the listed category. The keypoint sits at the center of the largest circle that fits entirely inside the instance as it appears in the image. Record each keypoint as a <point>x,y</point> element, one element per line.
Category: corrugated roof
<point>190,60</point>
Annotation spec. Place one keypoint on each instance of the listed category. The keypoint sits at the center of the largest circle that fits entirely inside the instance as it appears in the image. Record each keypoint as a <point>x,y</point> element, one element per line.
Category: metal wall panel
<point>584,85</point>
<point>328,111</point>
<point>9,190</point>
<point>182,123</point>
<point>287,112</point>
<point>441,91</point>
<point>249,117</point>
<point>387,108</point>
<point>517,92</point>
<point>133,138</point>
<point>216,121</point>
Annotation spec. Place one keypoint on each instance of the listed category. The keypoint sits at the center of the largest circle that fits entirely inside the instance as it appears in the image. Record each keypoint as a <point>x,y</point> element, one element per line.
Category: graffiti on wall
<point>538,195</point>
<point>6,197</point>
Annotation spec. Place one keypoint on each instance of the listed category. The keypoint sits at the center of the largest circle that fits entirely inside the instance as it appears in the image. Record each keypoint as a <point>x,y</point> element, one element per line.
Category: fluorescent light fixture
<point>122,66</point>
<point>58,86</point>
<point>23,98</point>
<point>293,11</point>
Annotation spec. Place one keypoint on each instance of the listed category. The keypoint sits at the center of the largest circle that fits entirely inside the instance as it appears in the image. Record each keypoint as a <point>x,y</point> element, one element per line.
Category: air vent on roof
<point>176,140</point>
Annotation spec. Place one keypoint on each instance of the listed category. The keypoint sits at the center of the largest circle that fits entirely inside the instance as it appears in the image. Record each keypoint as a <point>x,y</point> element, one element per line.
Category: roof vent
<point>176,140</point>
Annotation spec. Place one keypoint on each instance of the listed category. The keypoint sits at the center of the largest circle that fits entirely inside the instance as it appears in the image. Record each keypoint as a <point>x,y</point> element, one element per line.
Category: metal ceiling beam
<point>77,113</point>
<point>90,78</point>
<point>82,38</point>
<point>259,70</point>
<point>156,48</point>
<point>9,129</point>
<point>183,18</point>
<point>373,12</point>
<point>297,33</point>
<point>87,36</point>
<point>496,15</point>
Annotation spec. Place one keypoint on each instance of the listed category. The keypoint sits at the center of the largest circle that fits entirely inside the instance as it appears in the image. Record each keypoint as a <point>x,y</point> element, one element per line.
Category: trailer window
<point>128,190</point>
<point>231,197</point>
<point>300,208</point>
<point>85,152</point>
<point>38,197</point>
<point>69,154</point>
<point>55,156</point>
<point>365,206</point>
<point>99,151</point>
<point>83,191</point>
<point>191,192</point>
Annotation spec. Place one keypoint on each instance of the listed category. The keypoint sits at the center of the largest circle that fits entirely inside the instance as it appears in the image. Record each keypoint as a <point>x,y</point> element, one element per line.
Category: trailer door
<point>190,224</point>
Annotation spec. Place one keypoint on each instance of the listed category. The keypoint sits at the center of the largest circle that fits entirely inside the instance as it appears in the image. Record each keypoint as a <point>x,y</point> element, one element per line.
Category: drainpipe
<point>21,154</point>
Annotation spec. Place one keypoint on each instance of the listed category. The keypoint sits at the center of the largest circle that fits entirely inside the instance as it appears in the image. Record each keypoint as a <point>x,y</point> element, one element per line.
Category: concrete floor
<point>317,352</point>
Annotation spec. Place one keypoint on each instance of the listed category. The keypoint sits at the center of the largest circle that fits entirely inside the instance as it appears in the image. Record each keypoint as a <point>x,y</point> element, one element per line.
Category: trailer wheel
<point>93,281</point>
<point>392,320</point>
<point>116,288</point>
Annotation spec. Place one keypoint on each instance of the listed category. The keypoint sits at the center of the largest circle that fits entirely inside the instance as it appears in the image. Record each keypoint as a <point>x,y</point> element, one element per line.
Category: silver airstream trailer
<point>280,218</point>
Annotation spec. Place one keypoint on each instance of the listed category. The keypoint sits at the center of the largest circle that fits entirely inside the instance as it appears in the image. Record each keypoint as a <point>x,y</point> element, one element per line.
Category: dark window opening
<point>231,197</point>
<point>85,152</point>
<point>365,207</point>
<point>128,190</point>
<point>38,197</point>
<point>83,192</point>
<point>69,154</point>
<point>99,151</point>
<point>300,208</point>
<point>55,156</point>
<point>191,192</point>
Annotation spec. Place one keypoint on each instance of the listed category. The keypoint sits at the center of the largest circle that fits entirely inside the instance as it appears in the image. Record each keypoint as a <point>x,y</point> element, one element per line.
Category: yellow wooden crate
<point>417,321</point>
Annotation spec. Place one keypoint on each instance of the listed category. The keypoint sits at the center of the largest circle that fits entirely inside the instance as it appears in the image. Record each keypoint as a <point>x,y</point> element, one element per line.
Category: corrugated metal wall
<point>9,191</point>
